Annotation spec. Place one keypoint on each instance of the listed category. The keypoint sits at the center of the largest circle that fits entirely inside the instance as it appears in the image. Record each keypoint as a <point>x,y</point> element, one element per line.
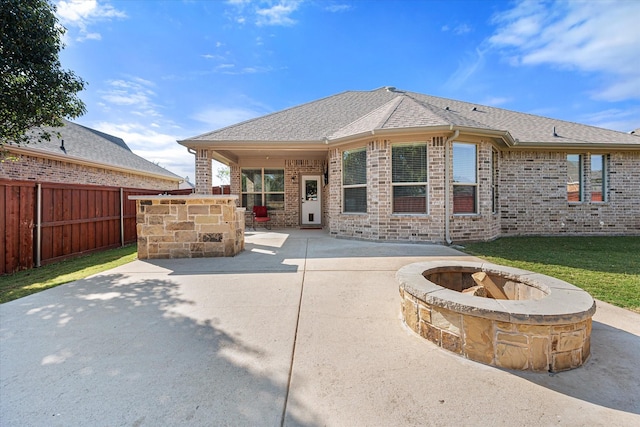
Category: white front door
<point>311,200</point>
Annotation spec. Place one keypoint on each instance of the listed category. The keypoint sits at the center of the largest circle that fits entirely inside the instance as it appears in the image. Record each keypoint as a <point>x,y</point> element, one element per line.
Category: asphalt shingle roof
<point>354,112</point>
<point>83,143</point>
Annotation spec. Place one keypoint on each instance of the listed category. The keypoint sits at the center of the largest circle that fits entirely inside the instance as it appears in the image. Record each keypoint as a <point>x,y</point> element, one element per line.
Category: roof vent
<point>446,108</point>
<point>554,131</point>
<point>474,109</point>
<point>390,88</point>
<point>62,146</point>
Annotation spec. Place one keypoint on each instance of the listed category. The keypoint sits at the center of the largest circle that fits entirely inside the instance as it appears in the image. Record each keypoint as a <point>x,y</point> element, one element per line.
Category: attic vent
<point>438,141</point>
<point>390,89</point>
<point>446,108</point>
<point>474,109</point>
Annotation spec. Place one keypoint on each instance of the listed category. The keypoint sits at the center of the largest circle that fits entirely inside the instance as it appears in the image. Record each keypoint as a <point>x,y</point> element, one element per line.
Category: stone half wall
<point>189,226</point>
<point>29,168</point>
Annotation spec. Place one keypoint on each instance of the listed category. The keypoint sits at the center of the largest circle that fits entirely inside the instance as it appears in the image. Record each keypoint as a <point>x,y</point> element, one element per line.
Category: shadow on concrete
<point>108,350</point>
<point>611,376</point>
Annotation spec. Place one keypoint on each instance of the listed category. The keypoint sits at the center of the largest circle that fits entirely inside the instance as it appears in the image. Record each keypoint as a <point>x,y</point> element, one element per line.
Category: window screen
<point>354,181</point>
<point>409,178</point>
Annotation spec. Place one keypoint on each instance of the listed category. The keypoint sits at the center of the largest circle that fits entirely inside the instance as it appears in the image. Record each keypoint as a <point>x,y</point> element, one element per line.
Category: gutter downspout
<point>447,185</point>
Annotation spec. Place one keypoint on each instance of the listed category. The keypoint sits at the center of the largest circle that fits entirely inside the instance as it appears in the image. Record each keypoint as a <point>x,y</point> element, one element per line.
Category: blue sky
<point>160,71</point>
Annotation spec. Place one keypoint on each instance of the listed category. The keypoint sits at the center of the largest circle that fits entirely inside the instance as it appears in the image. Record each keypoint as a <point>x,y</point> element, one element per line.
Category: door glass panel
<point>311,189</point>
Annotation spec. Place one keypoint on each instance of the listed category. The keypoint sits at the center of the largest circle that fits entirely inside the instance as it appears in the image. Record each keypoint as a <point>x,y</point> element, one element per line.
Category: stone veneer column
<point>190,226</point>
<point>203,172</point>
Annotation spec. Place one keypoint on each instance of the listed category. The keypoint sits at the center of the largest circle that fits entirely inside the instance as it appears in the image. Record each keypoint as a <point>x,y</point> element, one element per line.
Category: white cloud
<point>216,117</point>
<point>459,29</point>
<point>264,12</point>
<point>598,37</point>
<point>495,101</point>
<point>135,92</point>
<point>155,143</point>
<point>468,65</point>
<point>338,8</point>
<point>81,14</point>
<point>279,14</point>
<point>623,120</point>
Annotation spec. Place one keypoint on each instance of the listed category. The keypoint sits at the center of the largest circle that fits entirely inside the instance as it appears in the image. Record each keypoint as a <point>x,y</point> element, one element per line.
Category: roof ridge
<point>537,116</point>
<point>111,138</point>
<point>274,113</point>
<point>402,98</point>
<point>386,109</point>
<point>440,113</point>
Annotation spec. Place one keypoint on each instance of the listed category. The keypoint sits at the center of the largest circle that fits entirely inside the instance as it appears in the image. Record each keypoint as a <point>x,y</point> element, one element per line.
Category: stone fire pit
<point>529,321</point>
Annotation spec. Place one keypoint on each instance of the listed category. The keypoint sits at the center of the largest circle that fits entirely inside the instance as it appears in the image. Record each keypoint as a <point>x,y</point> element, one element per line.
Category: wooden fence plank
<point>3,229</point>
<point>75,219</point>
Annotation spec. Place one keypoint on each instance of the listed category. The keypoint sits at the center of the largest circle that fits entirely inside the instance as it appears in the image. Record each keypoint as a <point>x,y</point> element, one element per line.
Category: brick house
<point>402,166</point>
<point>79,155</point>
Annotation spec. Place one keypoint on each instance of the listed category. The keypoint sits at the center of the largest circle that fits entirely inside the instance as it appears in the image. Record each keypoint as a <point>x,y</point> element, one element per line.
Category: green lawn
<point>28,282</point>
<point>606,267</point>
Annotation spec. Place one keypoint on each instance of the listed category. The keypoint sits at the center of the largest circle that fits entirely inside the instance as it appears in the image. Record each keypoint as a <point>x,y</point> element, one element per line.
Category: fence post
<point>121,217</point>
<point>38,224</point>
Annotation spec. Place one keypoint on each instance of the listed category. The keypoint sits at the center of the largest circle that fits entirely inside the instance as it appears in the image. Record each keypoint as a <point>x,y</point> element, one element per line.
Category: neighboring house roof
<point>355,113</point>
<point>77,143</point>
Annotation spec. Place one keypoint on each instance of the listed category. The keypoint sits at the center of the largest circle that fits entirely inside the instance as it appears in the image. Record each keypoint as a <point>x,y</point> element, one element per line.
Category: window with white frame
<point>575,184</point>
<point>465,178</point>
<point>354,181</point>
<point>409,178</point>
<point>263,187</point>
<point>598,177</point>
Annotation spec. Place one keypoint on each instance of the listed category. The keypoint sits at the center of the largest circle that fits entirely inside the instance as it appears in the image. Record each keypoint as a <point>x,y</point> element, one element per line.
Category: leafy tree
<point>34,89</point>
<point>223,174</point>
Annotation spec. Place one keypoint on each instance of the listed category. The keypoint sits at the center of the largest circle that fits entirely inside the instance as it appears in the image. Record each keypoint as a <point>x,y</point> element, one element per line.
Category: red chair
<point>260,215</point>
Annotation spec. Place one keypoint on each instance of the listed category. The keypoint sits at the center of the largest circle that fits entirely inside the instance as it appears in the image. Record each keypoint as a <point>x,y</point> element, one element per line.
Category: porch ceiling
<point>233,155</point>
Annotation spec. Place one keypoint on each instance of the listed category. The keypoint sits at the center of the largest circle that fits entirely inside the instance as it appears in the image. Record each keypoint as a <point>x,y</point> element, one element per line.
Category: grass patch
<point>27,282</point>
<point>606,267</point>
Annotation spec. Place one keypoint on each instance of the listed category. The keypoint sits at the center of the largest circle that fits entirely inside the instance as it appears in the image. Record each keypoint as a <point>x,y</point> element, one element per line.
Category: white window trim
<point>467,184</point>
<point>365,185</point>
<point>403,184</point>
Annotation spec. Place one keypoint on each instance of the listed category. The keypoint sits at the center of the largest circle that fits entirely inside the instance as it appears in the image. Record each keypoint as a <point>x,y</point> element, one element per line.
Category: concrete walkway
<point>299,329</point>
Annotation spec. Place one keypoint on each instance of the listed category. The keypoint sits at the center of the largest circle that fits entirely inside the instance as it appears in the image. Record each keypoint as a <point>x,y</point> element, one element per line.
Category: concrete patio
<point>299,329</point>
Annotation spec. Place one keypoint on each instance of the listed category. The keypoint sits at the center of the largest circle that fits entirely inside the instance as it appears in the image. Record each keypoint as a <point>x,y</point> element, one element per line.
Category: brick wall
<point>293,168</point>
<point>29,168</point>
<point>532,189</point>
<point>534,198</point>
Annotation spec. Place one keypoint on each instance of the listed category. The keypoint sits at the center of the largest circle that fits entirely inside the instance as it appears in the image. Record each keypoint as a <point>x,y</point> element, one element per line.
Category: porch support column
<point>203,172</point>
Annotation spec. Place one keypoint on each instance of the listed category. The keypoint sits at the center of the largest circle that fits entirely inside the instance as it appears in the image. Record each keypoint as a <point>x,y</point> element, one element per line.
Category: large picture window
<point>465,178</point>
<point>598,178</point>
<point>574,178</point>
<point>354,181</point>
<point>263,187</point>
<point>409,178</point>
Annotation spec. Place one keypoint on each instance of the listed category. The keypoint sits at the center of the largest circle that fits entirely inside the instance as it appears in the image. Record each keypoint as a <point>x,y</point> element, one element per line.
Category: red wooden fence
<point>74,219</point>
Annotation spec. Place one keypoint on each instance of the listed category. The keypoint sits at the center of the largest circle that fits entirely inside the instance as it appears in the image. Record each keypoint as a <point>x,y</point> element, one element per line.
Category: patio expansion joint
<point>295,337</point>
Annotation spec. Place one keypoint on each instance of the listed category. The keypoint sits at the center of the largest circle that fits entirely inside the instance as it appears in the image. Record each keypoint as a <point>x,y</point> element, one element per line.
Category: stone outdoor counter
<point>192,226</point>
<point>544,324</point>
